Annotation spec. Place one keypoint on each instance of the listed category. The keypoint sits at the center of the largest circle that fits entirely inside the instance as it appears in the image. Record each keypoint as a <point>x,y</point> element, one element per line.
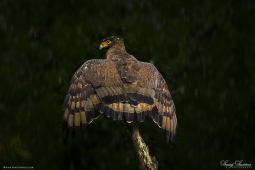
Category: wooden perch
<point>145,160</point>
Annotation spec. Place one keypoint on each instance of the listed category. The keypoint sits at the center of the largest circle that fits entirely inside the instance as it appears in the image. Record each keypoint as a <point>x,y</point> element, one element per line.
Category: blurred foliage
<point>204,49</point>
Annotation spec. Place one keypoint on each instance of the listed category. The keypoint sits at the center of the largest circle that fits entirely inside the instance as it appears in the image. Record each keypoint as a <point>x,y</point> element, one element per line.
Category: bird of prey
<point>121,87</point>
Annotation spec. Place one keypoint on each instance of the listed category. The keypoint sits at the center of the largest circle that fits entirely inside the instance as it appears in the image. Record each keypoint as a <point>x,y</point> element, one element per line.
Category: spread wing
<point>153,86</point>
<point>95,88</point>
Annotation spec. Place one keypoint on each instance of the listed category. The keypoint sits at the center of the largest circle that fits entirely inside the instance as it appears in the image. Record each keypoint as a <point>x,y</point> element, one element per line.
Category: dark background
<point>204,49</point>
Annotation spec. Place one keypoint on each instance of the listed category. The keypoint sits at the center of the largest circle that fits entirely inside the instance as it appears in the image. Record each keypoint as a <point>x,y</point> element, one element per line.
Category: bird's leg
<point>145,160</point>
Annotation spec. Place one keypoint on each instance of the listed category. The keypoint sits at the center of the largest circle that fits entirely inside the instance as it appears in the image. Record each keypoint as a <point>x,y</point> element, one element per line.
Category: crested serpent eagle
<point>121,87</point>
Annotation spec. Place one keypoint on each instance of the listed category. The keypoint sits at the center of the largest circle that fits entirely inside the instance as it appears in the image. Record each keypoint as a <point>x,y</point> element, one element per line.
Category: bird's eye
<point>108,41</point>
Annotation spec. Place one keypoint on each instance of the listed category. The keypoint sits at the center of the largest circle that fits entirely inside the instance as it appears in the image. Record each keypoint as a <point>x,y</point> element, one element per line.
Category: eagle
<point>121,87</point>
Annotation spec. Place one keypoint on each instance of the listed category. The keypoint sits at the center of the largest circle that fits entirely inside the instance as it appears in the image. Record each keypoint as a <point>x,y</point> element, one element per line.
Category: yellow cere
<point>106,43</point>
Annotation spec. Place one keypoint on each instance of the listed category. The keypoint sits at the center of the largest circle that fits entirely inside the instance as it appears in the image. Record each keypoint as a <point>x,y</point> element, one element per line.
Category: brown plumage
<point>120,86</point>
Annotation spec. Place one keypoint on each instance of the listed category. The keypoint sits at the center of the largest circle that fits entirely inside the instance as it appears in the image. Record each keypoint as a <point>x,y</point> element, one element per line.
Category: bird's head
<point>111,41</point>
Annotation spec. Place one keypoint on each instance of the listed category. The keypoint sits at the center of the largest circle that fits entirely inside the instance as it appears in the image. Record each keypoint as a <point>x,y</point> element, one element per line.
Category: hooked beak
<point>103,45</point>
